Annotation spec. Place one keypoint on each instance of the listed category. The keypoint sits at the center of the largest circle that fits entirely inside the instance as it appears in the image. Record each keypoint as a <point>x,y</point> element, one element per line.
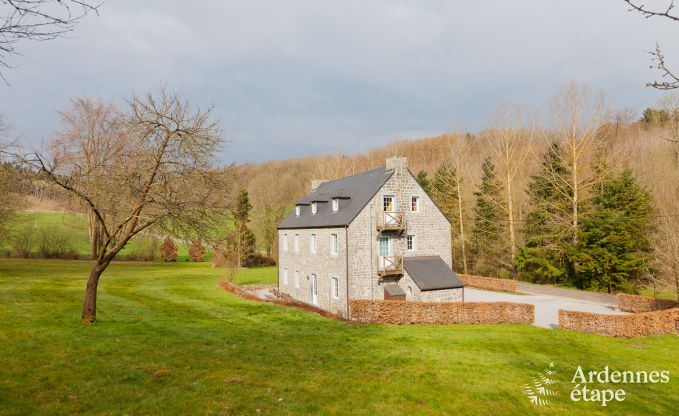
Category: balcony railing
<point>390,265</point>
<point>390,221</point>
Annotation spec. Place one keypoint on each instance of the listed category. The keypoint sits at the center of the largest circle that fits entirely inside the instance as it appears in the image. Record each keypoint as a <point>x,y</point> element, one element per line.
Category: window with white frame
<point>296,243</point>
<point>298,210</point>
<point>297,279</point>
<point>334,288</point>
<point>285,242</point>
<point>314,208</point>
<point>410,242</point>
<point>415,203</point>
<point>388,203</point>
<point>285,276</point>
<point>334,244</point>
<point>312,243</point>
<point>335,204</point>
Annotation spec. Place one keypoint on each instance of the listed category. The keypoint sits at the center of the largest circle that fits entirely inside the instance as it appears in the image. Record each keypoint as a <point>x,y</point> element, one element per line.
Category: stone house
<point>376,235</point>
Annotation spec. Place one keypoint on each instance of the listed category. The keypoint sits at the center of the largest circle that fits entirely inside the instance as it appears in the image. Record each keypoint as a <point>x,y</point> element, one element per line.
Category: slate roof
<point>354,192</point>
<point>394,290</point>
<point>431,273</point>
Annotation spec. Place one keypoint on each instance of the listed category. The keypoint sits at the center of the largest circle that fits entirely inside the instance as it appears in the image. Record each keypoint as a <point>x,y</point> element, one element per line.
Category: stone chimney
<point>315,183</point>
<point>399,164</point>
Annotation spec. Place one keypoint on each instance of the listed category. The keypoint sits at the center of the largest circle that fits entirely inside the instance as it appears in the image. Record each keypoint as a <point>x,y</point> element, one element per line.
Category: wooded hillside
<point>538,201</point>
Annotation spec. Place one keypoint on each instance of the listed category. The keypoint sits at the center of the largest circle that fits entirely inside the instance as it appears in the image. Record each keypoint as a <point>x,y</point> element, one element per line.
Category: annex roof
<point>431,273</point>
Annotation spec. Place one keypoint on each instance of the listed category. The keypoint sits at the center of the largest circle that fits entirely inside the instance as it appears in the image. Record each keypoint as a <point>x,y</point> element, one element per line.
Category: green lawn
<point>169,340</point>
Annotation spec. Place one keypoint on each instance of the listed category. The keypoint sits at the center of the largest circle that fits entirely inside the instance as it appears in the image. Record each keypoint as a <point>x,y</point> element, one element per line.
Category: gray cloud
<point>296,78</point>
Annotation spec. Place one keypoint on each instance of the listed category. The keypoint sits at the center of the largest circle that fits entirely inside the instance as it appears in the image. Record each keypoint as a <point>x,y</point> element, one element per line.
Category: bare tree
<point>90,128</point>
<point>459,149</point>
<point>37,20</point>
<point>576,121</point>
<point>511,146</point>
<point>670,80</point>
<point>159,174</point>
<point>8,184</point>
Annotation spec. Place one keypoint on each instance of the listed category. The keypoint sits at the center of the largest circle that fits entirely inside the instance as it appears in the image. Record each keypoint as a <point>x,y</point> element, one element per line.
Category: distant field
<point>170,341</point>
<point>75,226</point>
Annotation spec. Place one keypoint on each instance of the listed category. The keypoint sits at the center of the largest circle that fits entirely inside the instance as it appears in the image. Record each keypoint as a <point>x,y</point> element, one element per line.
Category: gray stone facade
<point>322,263</point>
<point>414,293</point>
<point>360,241</point>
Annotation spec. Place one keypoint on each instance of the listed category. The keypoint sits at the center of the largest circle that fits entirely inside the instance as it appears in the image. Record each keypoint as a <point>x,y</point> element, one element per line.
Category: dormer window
<point>314,208</point>
<point>335,204</point>
<point>298,210</point>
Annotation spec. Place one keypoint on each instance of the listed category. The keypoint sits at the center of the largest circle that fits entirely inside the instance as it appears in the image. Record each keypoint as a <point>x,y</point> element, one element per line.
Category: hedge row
<point>400,312</point>
<point>635,303</point>
<point>489,283</point>
<point>622,326</point>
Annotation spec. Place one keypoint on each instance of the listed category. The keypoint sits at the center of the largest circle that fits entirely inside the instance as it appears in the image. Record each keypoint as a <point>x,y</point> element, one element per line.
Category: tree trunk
<point>89,314</point>
<point>461,218</point>
<point>512,235</point>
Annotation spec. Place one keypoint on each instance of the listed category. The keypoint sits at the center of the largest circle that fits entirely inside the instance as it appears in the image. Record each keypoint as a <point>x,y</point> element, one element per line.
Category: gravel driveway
<point>548,301</point>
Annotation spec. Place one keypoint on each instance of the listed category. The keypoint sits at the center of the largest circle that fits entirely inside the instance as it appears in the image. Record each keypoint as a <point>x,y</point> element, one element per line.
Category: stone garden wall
<point>401,312</point>
<point>622,326</point>
<point>489,283</point>
<point>635,303</point>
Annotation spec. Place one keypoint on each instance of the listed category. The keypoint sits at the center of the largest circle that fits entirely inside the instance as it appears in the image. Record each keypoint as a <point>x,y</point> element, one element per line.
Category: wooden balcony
<point>389,266</point>
<point>391,221</point>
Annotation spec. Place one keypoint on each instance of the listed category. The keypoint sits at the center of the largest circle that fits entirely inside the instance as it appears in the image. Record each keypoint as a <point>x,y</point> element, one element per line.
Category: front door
<point>385,250</point>
<point>314,289</point>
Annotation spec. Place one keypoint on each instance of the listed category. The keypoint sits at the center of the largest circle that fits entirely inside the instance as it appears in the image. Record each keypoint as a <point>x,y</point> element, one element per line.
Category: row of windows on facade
<point>334,282</point>
<point>388,205</point>
<point>334,243</point>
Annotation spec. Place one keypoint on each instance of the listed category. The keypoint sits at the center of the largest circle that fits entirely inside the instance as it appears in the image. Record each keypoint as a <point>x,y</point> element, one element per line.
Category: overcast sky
<point>297,78</point>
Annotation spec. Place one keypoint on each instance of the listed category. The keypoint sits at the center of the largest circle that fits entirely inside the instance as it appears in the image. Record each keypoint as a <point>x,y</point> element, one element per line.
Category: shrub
<point>54,243</point>
<point>24,242</point>
<point>168,250</point>
<point>197,251</point>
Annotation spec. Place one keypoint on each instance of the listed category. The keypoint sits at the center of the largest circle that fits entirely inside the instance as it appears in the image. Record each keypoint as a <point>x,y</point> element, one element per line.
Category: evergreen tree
<point>614,248</point>
<point>424,181</point>
<point>240,242</point>
<point>444,190</point>
<point>543,258</point>
<point>488,239</point>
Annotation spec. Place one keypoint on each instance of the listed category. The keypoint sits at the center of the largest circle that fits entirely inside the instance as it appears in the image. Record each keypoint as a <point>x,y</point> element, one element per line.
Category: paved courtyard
<point>548,300</point>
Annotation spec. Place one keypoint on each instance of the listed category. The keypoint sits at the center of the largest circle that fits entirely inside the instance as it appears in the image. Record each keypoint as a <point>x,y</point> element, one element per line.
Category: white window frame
<point>312,243</point>
<point>416,200</point>
<point>298,210</point>
<point>334,288</point>
<point>335,204</point>
<point>297,278</point>
<point>285,275</point>
<point>314,208</point>
<point>394,207</point>
<point>285,242</point>
<point>413,241</point>
<point>296,243</point>
<point>334,244</point>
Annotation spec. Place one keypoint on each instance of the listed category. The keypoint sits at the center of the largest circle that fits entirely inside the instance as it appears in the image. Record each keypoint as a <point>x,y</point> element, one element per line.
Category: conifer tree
<point>614,249</point>
<point>240,243</point>
<point>488,239</point>
<point>543,258</point>
<point>424,181</point>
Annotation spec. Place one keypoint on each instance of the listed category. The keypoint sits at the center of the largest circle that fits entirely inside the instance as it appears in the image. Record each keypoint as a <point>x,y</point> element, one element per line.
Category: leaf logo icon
<point>537,392</point>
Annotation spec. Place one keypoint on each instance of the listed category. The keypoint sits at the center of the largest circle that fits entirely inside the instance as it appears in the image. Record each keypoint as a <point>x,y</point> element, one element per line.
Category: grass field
<point>168,340</point>
<point>75,226</point>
